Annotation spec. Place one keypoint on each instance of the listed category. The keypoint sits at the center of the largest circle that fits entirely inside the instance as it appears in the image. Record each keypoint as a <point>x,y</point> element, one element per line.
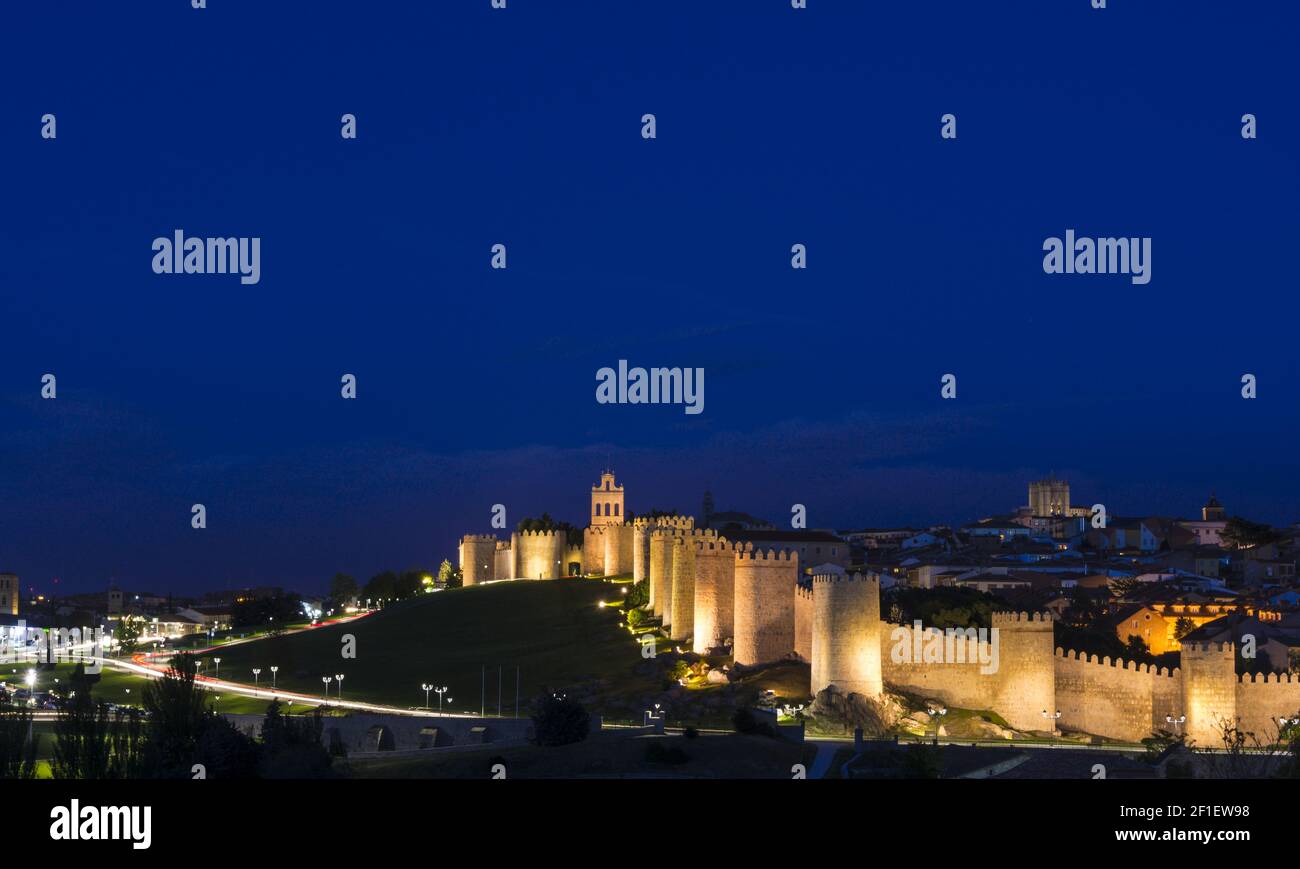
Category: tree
<point>638,595</point>
<point>1137,649</point>
<point>292,747</point>
<point>1183,627</point>
<point>448,576</point>
<point>380,586</point>
<point>1083,610</point>
<point>343,588</point>
<point>557,720</point>
<point>176,709</point>
<point>225,751</point>
<point>573,536</point>
<point>1123,586</point>
<point>266,613</point>
<point>410,583</point>
<point>91,745</point>
<point>81,747</point>
<point>1239,533</point>
<point>127,634</point>
<point>17,751</point>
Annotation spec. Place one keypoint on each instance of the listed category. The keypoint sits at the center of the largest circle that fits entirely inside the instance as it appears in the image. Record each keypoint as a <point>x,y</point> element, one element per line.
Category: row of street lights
<point>439,690</point>
<point>327,680</point>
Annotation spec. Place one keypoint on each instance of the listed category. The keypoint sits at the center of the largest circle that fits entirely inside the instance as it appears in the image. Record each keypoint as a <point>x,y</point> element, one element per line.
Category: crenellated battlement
<point>1116,664</point>
<point>482,538</point>
<point>821,578</point>
<point>1208,649</point>
<point>715,546</point>
<point>1269,678</point>
<point>748,553</point>
<point>1022,621</point>
<point>695,536</point>
<point>503,545</point>
<point>551,535</point>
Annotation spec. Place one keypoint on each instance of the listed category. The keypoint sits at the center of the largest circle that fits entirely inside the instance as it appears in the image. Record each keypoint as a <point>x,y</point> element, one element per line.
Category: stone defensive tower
<point>715,594</point>
<point>1025,682</point>
<point>642,529</point>
<point>764,607</point>
<point>1210,691</point>
<point>803,619</point>
<point>538,554</point>
<point>640,549</point>
<point>478,555</point>
<point>504,564</point>
<point>681,612</point>
<point>607,501</point>
<point>846,633</point>
<point>661,564</point>
<point>593,549</point>
<point>618,549</point>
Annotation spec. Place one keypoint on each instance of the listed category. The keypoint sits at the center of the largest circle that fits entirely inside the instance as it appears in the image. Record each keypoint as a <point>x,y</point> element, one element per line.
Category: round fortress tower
<point>764,606</point>
<point>683,592</point>
<point>1025,681</point>
<point>1209,691</point>
<point>661,572</point>
<point>846,634</point>
<point>478,555</point>
<point>715,594</point>
<point>640,550</point>
<point>681,613</point>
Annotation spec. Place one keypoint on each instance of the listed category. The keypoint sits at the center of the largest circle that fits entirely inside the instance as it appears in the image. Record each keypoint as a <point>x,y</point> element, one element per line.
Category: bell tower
<point>607,501</point>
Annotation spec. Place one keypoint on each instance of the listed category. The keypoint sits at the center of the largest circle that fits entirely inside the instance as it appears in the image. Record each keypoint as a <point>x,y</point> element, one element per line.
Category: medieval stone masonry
<point>717,595</point>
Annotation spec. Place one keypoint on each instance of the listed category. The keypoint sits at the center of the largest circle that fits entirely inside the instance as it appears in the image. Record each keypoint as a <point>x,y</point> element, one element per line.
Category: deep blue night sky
<point>523,127</point>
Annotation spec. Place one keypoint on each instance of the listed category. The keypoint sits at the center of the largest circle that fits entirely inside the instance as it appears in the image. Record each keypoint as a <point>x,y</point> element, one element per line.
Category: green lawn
<point>114,686</point>
<point>125,689</point>
<point>554,631</point>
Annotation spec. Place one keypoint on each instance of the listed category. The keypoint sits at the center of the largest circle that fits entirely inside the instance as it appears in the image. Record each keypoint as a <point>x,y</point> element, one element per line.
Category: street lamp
<point>30,679</point>
<point>440,692</point>
<point>339,676</point>
<point>327,680</point>
<point>427,688</point>
<point>217,661</point>
<point>256,672</point>
<point>938,722</point>
<point>274,670</point>
<point>1052,717</point>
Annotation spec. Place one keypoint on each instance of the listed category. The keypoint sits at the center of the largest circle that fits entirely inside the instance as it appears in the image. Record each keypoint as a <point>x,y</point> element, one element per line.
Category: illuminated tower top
<point>607,501</point>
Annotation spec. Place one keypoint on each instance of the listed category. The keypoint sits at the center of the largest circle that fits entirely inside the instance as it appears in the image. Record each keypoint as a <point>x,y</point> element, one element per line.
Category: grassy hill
<point>555,632</point>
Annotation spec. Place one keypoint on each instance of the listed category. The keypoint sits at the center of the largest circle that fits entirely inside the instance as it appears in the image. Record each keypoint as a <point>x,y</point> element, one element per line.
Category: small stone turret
<point>478,555</point>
